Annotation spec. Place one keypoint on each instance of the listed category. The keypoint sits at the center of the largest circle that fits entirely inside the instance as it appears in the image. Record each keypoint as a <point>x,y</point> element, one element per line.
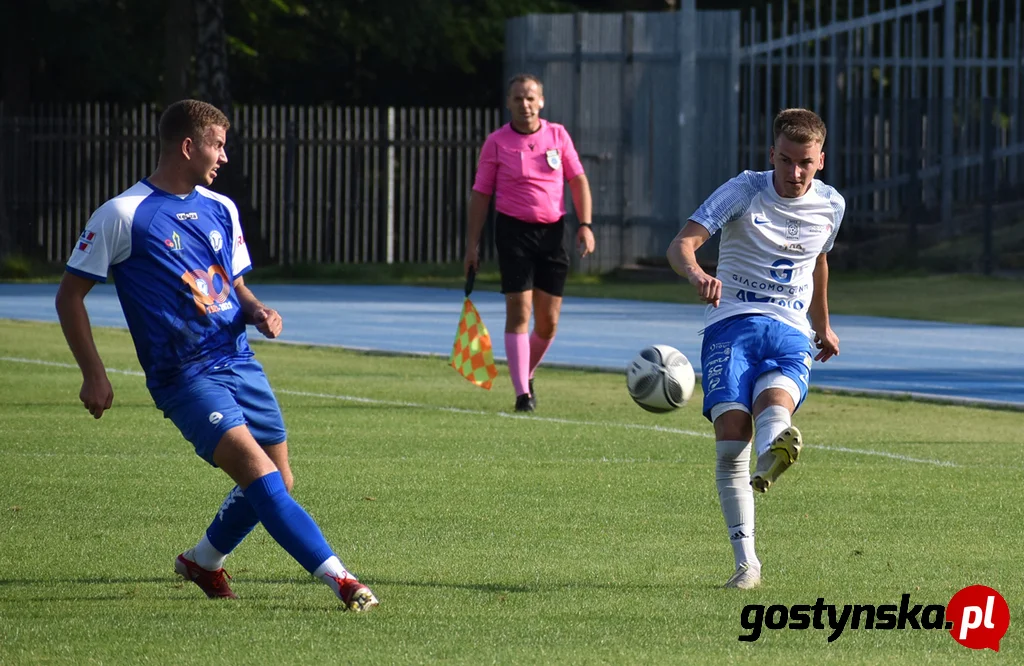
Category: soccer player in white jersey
<point>767,303</point>
<point>177,253</point>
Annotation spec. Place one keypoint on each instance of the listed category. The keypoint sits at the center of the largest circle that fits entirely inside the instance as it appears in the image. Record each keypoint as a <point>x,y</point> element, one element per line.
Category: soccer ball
<point>660,379</point>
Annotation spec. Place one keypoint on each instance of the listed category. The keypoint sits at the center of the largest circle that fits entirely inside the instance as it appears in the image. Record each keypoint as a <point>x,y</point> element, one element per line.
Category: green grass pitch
<point>588,533</point>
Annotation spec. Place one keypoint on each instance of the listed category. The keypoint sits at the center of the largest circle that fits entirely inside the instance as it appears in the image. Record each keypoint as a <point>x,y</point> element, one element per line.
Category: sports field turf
<point>583,534</point>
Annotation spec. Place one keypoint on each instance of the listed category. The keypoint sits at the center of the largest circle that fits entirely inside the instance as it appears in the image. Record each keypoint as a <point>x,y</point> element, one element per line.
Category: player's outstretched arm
<point>682,256</point>
<point>97,394</point>
<point>825,338</point>
<point>266,320</point>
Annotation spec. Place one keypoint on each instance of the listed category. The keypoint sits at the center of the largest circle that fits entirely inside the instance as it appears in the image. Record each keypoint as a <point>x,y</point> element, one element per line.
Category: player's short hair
<point>524,78</point>
<point>799,126</point>
<point>190,118</point>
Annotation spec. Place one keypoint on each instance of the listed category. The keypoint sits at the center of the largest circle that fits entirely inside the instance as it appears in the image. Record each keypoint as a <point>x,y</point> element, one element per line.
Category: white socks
<point>330,569</point>
<point>211,559</point>
<point>732,476</point>
<point>206,556</point>
<point>768,425</point>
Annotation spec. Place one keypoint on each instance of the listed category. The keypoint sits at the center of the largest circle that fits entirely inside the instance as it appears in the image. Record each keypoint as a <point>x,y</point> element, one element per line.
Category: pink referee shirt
<point>527,173</point>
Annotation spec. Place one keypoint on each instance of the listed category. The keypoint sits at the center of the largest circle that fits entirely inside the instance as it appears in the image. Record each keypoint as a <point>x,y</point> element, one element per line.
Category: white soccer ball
<point>660,379</point>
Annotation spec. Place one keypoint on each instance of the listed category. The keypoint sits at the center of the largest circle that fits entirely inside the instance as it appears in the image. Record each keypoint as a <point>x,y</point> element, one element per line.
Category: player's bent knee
<point>278,454</point>
<point>238,454</point>
<point>734,433</point>
<point>732,424</point>
<point>287,477</point>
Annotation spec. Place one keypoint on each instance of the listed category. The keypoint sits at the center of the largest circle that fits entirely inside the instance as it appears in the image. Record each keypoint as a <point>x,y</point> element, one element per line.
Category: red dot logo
<point>980,617</point>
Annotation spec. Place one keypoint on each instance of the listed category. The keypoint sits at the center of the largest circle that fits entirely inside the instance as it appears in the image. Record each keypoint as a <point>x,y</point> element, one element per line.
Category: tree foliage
<point>368,51</point>
<point>296,51</point>
<point>82,49</point>
<point>360,52</point>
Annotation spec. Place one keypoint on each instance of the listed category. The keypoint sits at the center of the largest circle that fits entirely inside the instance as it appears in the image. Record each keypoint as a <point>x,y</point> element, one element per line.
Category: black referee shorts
<point>531,255</point>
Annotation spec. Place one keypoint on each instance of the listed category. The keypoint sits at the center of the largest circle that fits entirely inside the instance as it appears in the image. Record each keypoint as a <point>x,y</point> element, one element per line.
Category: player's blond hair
<point>190,118</point>
<point>799,126</point>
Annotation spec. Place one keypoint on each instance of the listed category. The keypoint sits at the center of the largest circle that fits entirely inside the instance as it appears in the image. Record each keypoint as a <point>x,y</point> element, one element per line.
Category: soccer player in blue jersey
<point>767,302</point>
<point>178,254</point>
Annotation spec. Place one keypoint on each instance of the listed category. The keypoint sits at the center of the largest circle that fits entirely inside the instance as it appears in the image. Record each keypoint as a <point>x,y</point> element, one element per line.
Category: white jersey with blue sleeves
<point>769,246</point>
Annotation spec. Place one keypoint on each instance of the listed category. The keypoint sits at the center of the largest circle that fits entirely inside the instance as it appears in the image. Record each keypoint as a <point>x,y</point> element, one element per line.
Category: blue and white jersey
<point>769,246</point>
<point>174,260</point>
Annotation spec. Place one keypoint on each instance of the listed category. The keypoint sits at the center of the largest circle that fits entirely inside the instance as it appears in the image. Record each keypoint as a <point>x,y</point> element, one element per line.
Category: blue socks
<point>233,522</point>
<point>286,521</point>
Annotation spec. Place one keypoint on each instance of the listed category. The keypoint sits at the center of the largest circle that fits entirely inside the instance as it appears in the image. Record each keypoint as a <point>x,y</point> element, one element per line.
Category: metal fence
<point>324,184</point>
<point>624,85</point>
<point>902,90</point>
<point>669,105</point>
<point>921,98</point>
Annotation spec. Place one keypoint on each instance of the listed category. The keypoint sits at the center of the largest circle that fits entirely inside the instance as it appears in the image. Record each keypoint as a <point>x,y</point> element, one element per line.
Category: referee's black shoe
<point>524,403</point>
<point>533,396</point>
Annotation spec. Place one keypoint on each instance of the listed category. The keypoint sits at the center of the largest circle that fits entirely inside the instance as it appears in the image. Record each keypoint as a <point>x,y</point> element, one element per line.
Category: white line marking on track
<point>543,419</point>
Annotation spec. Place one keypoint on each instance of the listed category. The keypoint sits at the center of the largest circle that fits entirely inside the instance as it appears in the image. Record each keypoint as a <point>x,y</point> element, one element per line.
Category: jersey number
<point>201,283</point>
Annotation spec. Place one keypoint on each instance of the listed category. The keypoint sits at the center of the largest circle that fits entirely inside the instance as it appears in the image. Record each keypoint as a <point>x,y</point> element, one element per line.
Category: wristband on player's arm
<point>589,225</point>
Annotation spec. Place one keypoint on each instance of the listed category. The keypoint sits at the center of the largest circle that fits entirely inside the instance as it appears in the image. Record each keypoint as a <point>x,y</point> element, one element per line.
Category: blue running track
<point>983,364</point>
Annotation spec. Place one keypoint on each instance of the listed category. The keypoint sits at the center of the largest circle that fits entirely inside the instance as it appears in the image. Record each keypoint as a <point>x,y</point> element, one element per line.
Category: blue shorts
<point>206,406</point>
<point>738,350</point>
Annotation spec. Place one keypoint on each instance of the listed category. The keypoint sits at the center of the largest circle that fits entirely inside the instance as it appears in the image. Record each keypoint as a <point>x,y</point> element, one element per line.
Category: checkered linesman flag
<point>472,356</point>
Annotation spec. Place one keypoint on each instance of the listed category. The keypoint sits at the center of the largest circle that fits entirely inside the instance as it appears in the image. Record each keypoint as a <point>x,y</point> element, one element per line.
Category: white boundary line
<point>936,398</point>
<point>889,394</point>
<point>543,419</point>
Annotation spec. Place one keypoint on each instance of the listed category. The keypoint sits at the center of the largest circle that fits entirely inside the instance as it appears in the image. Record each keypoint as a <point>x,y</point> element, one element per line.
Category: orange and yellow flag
<point>472,356</point>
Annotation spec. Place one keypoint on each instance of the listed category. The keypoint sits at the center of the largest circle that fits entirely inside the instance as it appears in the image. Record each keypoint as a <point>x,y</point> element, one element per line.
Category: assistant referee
<point>524,165</point>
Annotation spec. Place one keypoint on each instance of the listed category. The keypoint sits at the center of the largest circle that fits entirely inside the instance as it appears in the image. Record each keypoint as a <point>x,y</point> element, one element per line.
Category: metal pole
<point>290,157</point>
<point>625,162</point>
<point>6,237</point>
<point>687,50</point>
<point>752,144</point>
<point>916,206</point>
<point>1015,94</point>
<point>988,170</point>
<point>833,92</point>
<point>948,100</point>
<point>391,186</point>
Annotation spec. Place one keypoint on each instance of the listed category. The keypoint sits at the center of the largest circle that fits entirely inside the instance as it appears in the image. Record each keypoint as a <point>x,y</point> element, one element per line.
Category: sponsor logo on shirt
<point>174,242</point>
<point>187,216</point>
<point>761,219</point>
<point>211,289</point>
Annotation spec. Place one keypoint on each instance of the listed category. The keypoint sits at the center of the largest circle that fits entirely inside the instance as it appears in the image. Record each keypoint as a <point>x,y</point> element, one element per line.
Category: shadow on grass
<point>489,588</point>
